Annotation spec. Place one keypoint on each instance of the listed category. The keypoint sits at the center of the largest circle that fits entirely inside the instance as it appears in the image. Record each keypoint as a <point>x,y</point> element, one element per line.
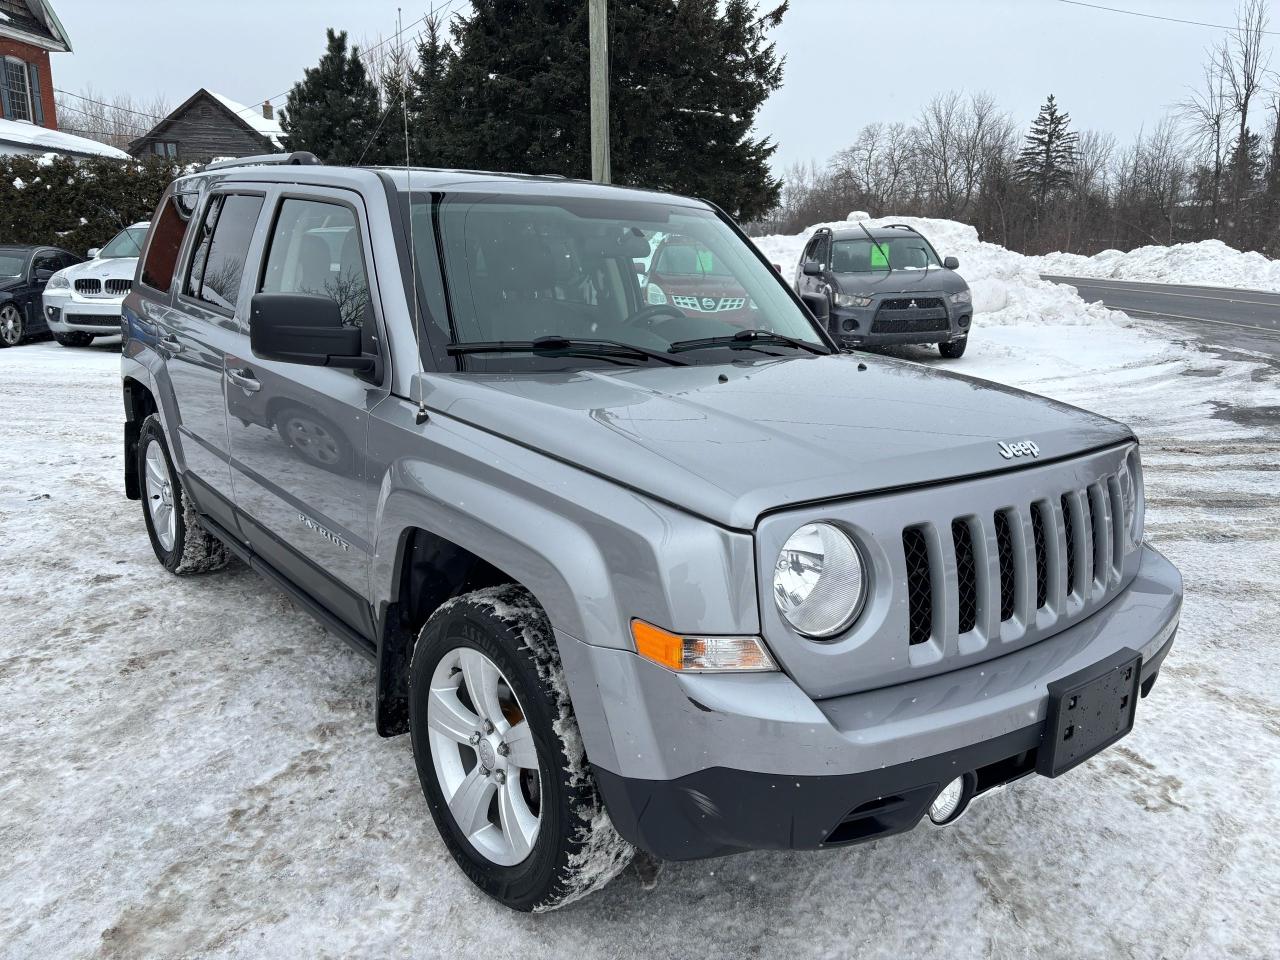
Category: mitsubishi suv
<point>885,285</point>
<point>631,576</point>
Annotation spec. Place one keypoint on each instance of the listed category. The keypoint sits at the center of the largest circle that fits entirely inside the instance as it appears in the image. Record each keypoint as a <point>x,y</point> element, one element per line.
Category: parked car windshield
<point>520,269</point>
<point>12,264</point>
<point>891,253</point>
<point>126,243</point>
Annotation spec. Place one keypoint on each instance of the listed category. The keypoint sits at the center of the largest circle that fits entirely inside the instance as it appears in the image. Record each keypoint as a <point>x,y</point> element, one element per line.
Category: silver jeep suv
<point>633,577</point>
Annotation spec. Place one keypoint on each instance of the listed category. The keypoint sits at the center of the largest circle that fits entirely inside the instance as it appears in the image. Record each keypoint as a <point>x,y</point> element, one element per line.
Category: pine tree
<point>431,145</point>
<point>1047,161</point>
<point>686,83</point>
<point>333,112</point>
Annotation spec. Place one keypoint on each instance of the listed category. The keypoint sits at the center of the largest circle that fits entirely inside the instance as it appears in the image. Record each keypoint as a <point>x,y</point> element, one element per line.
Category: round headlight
<point>819,582</point>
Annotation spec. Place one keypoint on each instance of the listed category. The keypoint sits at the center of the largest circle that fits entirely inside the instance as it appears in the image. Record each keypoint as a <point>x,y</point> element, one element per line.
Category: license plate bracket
<point>1089,711</point>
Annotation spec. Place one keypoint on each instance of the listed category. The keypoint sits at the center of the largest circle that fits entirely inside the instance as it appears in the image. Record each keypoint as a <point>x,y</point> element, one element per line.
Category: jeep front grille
<point>996,572</point>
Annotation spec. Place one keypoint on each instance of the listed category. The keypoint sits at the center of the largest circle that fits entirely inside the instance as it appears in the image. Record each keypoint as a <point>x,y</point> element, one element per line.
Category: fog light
<point>53,313</point>
<point>964,323</point>
<point>947,804</point>
<point>851,325</point>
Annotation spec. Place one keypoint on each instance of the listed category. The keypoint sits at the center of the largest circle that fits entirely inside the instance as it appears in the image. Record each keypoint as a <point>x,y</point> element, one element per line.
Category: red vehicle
<point>686,274</point>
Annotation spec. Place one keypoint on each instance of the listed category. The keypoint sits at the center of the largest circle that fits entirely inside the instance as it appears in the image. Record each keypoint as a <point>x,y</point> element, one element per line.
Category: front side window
<point>169,226</point>
<point>315,249</point>
<point>126,243</point>
<point>45,261</point>
<point>891,253</point>
<point>222,247</point>
<point>571,267</point>
<point>12,264</point>
<point>18,89</point>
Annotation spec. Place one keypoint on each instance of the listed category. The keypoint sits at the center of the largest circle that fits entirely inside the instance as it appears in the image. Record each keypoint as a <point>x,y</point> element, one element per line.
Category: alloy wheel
<point>160,497</point>
<point>10,325</point>
<point>484,756</point>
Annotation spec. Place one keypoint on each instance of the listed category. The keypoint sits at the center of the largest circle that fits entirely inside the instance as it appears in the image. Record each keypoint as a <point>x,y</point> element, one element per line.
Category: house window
<point>18,89</point>
<point>165,148</point>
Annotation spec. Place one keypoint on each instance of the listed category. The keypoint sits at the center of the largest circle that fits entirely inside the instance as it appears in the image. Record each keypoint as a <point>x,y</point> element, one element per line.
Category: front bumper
<point>861,326</point>
<point>707,765</point>
<point>68,312</point>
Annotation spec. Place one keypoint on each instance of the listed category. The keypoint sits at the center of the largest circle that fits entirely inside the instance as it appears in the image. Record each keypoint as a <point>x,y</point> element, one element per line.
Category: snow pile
<point>1007,289</point>
<point>1208,263</point>
<point>30,138</point>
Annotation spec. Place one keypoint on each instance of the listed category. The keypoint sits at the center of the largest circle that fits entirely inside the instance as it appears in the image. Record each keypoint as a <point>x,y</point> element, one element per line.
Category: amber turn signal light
<point>700,654</point>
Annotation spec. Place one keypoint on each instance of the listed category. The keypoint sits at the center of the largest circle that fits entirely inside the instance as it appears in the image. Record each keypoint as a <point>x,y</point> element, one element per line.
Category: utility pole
<point>599,33</point>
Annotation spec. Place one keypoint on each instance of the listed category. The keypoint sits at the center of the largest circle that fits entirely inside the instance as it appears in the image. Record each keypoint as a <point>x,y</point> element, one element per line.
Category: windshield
<point>13,264</point>
<point>126,243</point>
<point>645,274</point>
<point>907,252</point>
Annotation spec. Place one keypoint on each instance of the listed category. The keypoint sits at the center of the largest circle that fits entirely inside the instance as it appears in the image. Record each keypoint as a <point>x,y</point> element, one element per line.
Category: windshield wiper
<point>554,346</point>
<point>745,339</point>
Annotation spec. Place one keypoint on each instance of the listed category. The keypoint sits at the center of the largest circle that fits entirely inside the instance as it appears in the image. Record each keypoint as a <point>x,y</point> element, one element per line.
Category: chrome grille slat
<point>1119,524</point>
<point>1024,567</point>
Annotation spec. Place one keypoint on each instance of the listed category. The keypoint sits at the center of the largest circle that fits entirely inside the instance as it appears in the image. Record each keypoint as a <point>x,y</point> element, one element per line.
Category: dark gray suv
<point>631,576</point>
<point>886,285</point>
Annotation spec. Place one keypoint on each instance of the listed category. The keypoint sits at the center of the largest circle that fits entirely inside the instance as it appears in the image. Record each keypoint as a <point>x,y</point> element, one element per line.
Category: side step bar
<point>357,641</point>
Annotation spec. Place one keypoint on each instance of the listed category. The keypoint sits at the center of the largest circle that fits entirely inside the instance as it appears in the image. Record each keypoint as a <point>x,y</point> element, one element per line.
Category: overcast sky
<point>849,62</point>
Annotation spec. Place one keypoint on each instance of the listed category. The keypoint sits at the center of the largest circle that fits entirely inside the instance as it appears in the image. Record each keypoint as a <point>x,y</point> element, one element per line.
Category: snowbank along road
<point>1243,319</point>
<point>191,770</point>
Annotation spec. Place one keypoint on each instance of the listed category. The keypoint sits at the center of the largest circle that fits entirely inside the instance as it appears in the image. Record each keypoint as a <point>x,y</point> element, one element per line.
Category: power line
<point>101,103</point>
<point>364,53</point>
<point>1156,16</point>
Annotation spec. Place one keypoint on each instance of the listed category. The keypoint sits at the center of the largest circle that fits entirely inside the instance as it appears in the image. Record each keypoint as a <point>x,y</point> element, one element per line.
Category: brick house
<point>29,32</point>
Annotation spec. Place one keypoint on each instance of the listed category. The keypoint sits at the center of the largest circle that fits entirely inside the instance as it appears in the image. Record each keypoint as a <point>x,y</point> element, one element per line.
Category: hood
<point>778,433</point>
<point>934,280</point>
<point>115,268</point>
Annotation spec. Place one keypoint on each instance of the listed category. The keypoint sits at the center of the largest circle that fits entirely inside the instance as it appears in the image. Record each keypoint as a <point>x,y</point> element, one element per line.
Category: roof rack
<point>899,226</point>
<point>299,158</point>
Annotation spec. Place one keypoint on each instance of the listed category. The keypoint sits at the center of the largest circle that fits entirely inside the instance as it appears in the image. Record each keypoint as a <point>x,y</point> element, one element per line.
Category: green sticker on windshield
<point>706,264</point>
<point>879,257</point>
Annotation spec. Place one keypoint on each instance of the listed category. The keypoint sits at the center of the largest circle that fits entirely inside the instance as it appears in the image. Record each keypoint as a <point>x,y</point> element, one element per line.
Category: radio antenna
<point>421,416</point>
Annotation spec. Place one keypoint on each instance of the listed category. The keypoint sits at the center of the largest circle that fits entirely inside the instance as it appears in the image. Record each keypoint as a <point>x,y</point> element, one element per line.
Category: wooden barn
<point>209,125</point>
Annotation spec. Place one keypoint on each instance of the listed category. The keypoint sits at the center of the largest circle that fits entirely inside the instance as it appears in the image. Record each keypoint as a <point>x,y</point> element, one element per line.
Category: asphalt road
<point>1234,319</point>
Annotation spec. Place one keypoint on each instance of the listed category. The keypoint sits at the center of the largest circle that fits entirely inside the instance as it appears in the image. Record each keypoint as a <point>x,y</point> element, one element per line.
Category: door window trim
<point>323,194</point>
<point>187,258</point>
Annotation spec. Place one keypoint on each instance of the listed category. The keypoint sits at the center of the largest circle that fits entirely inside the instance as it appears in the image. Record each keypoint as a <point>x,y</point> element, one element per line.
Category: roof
<point>35,22</point>
<point>253,116</point>
<point>878,233</point>
<point>431,178</point>
<point>33,138</point>
<point>250,118</point>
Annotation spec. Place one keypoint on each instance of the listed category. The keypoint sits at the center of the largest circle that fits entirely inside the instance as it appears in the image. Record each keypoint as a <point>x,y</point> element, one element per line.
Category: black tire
<point>954,349</point>
<point>194,549</point>
<point>577,849</point>
<point>74,338</point>
<point>13,327</point>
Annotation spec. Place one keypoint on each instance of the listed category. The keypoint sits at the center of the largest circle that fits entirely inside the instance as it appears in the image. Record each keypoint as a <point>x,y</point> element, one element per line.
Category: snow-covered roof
<point>253,116</point>
<point>31,138</point>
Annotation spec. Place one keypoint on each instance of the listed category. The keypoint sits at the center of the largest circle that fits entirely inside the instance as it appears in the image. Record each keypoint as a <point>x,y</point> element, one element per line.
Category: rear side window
<point>166,240</point>
<point>315,249</point>
<point>222,246</point>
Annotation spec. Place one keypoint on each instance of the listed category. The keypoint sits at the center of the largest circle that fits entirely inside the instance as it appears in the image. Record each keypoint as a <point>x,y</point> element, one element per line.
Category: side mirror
<point>818,306</point>
<point>43,276</point>
<point>951,263</point>
<point>640,268</point>
<point>305,328</point>
<point>812,268</point>
<point>93,252</point>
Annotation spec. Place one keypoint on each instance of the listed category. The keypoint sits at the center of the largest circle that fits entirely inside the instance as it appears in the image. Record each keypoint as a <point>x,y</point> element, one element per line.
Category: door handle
<point>244,379</point>
<point>169,345</point>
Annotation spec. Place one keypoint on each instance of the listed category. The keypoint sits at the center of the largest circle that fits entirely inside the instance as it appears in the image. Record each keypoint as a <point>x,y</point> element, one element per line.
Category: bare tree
<point>114,121</point>
<point>1207,114</point>
<point>1244,64</point>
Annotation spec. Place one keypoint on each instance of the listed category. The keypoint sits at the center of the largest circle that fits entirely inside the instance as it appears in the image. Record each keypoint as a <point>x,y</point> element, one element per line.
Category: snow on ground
<point>191,770</point>
<point>1208,263</point>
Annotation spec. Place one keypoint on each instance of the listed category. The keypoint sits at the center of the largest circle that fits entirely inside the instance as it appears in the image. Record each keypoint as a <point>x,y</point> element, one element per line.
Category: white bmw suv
<point>83,302</point>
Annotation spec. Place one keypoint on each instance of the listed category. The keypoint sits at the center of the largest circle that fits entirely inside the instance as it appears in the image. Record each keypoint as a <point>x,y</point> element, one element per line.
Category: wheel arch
<point>139,403</point>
